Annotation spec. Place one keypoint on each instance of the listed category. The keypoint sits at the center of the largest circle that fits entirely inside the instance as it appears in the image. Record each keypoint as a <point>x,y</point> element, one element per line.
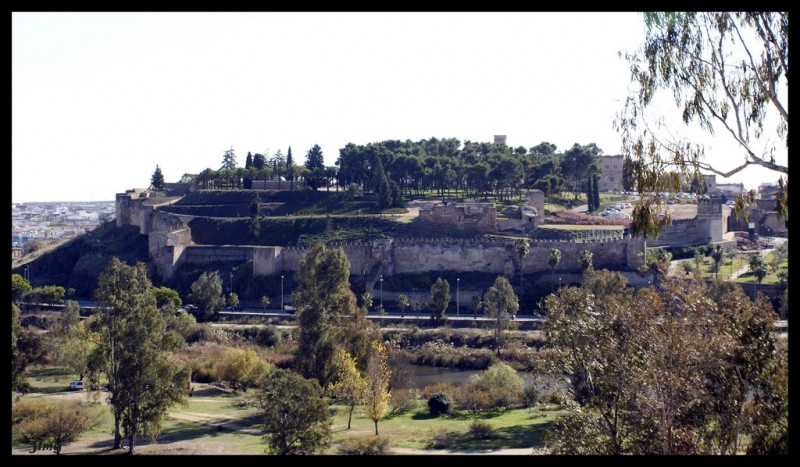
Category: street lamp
<point>27,274</point>
<point>231,282</point>
<point>559,283</point>
<point>381,291</point>
<point>282,309</point>
<point>458,294</point>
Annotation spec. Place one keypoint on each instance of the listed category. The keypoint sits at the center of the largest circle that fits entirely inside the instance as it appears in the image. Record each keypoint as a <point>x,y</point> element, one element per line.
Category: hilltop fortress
<point>171,243</point>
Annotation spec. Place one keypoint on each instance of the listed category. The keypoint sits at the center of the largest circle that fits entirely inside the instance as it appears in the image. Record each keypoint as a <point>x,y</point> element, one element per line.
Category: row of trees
<point>476,169</point>
<point>394,168</point>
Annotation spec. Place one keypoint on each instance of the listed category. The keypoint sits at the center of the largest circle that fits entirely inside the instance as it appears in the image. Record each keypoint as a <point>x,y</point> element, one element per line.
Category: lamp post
<point>559,284</point>
<point>282,309</point>
<point>231,282</point>
<point>381,281</point>
<point>27,274</point>
<point>458,294</point>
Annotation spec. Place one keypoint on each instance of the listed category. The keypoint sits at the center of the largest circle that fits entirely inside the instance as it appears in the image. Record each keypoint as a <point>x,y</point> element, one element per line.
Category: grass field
<point>215,421</point>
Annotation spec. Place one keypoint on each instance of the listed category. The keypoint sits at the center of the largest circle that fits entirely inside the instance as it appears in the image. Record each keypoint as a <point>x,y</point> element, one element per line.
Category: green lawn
<point>517,428</point>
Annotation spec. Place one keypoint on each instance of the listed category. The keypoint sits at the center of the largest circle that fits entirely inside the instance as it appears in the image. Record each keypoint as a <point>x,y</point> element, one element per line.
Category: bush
<point>553,396</point>
<point>441,439</point>
<point>429,391</point>
<point>501,383</point>
<point>480,429</point>
<point>440,404</point>
<point>530,396</point>
<point>268,337</point>
<point>366,445</point>
<point>404,399</point>
<point>473,399</point>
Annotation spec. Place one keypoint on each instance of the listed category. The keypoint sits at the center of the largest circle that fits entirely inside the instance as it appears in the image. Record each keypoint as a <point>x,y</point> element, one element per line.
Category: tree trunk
<point>351,416</point>
<point>376,427</point>
<point>130,444</point>
<point>117,435</point>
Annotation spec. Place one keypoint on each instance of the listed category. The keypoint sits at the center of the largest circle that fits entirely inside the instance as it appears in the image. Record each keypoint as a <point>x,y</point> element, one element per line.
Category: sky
<point>100,99</point>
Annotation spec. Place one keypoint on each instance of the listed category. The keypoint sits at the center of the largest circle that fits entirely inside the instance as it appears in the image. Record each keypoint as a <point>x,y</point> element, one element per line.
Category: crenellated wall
<point>171,246</point>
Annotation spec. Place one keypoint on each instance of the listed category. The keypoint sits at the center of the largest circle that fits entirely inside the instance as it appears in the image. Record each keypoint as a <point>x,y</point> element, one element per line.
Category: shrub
<point>553,396</point>
<point>473,399</point>
<point>501,383</point>
<point>404,399</point>
<point>441,439</point>
<point>440,403</point>
<point>268,337</point>
<point>480,429</point>
<point>366,445</point>
<point>530,396</point>
<point>429,391</point>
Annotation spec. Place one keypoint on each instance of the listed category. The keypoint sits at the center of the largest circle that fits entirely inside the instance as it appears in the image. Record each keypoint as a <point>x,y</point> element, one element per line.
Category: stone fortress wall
<point>170,244</point>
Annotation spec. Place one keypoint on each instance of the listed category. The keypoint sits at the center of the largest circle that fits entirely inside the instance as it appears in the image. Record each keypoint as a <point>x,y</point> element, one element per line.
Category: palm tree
<point>586,260</point>
<point>717,254</point>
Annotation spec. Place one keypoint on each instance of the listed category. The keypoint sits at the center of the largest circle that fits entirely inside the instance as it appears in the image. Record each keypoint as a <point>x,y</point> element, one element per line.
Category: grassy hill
<point>77,263</point>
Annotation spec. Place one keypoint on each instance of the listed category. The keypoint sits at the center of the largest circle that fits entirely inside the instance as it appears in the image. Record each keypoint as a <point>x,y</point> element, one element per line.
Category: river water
<point>422,375</point>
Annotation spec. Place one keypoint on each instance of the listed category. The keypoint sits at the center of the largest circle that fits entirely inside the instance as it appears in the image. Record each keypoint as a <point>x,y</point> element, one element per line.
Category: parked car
<point>618,215</point>
<point>76,385</point>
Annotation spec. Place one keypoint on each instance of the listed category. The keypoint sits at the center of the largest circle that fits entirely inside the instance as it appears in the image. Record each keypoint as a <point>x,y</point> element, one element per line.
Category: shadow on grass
<point>513,437</point>
<point>48,389</point>
<point>49,371</point>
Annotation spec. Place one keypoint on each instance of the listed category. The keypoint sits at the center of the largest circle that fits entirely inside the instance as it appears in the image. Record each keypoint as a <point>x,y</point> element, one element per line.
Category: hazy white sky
<point>98,99</point>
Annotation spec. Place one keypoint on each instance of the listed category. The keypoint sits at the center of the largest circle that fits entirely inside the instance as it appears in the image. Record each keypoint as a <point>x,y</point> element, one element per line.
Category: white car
<point>617,215</point>
<point>76,385</point>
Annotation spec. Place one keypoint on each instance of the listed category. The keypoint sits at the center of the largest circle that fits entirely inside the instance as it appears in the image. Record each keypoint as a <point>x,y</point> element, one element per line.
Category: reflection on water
<point>422,376</point>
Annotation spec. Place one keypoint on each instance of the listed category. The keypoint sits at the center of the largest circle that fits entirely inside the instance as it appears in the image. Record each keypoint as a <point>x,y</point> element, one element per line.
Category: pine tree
<point>248,162</point>
<point>229,160</point>
<point>315,163</point>
<point>157,180</point>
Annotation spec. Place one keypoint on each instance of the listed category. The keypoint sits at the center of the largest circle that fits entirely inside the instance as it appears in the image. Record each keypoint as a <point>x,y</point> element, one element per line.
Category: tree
<point>440,299</point>
<point>758,266</point>
<point>166,295</point>
<point>52,294</point>
<point>522,247</point>
<point>290,168</point>
<point>133,352</point>
<point>402,303</point>
<point>248,161</point>
<point>20,287</point>
<point>323,296</point>
<point>500,304</point>
<point>51,424</point>
<point>377,396</point>
<point>717,254</point>
<point>233,300</point>
<point>259,161</point>
<point>350,387</point>
<point>76,348</point>
<point>595,191</point>
<point>315,164</point>
<point>476,305</point>
<point>553,258</point>
<point>241,367</point>
<point>725,70</point>
<point>667,370</point>
<point>647,220</point>
<point>157,180</point>
<point>206,293</point>
<point>366,300</point>
<point>586,260</point>
<point>656,262</point>
<point>265,302</point>
<point>296,418</point>
<point>228,160</point>
<point>589,194</point>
